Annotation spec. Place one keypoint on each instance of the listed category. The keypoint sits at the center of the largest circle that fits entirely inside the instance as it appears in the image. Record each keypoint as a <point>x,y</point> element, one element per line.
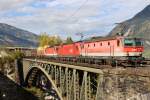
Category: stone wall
<point>125,84</point>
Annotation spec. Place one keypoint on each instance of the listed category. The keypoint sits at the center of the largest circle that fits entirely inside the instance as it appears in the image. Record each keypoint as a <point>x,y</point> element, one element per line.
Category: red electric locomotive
<point>69,50</point>
<point>50,51</point>
<point>117,48</point>
<point>113,46</point>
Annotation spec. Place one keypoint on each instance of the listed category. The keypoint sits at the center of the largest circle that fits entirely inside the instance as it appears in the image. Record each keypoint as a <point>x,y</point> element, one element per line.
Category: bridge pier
<point>19,72</point>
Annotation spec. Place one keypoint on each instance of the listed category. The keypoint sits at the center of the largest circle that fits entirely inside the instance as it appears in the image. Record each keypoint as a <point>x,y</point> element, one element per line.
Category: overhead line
<point>73,14</point>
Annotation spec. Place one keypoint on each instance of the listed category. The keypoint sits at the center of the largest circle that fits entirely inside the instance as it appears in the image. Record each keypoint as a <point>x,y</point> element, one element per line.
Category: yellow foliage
<point>45,40</point>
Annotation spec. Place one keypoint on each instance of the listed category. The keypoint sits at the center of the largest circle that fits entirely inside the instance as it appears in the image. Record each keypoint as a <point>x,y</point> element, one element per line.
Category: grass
<point>146,53</point>
<point>36,91</point>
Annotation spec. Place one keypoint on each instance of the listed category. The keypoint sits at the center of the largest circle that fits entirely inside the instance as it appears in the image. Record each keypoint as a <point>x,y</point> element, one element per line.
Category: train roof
<point>93,39</point>
<point>96,39</point>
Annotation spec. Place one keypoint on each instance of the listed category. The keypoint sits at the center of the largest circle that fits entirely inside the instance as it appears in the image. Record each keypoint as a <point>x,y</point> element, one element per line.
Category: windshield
<point>133,42</point>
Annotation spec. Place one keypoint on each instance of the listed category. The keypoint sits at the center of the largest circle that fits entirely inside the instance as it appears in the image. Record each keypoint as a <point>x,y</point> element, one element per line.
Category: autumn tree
<point>57,40</point>
<point>45,40</point>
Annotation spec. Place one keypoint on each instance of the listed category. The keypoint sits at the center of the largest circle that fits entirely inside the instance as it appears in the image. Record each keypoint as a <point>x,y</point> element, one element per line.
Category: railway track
<point>80,64</point>
<point>93,64</point>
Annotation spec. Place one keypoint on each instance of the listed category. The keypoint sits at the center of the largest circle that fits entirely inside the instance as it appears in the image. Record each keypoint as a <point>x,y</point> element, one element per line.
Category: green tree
<point>17,55</point>
<point>58,40</point>
<point>69,40</point>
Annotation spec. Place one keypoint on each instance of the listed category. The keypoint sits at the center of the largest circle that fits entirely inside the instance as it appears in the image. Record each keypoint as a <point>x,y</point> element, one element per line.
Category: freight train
<point>108,50</point>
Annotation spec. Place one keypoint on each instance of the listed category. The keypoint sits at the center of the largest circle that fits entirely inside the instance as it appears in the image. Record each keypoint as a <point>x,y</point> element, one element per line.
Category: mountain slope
<point>138,26</point>
<point>12,36</point>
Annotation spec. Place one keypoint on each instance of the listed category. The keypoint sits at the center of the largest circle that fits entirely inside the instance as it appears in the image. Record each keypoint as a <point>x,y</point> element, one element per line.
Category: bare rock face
<point>138,26</point>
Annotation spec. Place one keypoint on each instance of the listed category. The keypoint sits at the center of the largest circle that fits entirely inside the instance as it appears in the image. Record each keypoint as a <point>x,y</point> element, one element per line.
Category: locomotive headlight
<point>139,49</point>
<point>134,49</point>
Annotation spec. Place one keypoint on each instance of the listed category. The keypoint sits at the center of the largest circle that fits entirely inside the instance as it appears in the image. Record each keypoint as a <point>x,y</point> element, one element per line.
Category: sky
<point>69,17</point>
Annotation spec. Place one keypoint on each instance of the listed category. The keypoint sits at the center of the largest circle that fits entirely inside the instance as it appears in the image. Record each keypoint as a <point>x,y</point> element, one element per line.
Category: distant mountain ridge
<point>12,36</point>
<point>138,26</point>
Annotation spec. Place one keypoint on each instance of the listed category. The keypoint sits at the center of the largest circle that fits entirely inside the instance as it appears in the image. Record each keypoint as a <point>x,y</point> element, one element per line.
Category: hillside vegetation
<point>12,36</point>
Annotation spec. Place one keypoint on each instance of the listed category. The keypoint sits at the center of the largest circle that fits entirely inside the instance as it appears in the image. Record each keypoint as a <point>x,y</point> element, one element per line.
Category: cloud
<point>67,17</point>
<point>11,4</point>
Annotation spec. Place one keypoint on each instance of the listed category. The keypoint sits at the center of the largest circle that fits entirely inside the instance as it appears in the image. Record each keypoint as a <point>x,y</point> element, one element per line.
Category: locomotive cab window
<point>138,42</point>
<point>118,43</point>
<point>94,44</point>
<point>81,46</point>
<point>77,47</point>
<point>101,44</point>
<point>56,49</point>
<point>133,42</point>
<point>108,43</point>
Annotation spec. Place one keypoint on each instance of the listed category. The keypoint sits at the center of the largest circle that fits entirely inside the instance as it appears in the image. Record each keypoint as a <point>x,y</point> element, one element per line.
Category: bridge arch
<point>44,72</point>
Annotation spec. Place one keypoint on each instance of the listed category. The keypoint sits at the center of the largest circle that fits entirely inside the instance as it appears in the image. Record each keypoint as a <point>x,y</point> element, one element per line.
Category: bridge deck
<point>84,68</point>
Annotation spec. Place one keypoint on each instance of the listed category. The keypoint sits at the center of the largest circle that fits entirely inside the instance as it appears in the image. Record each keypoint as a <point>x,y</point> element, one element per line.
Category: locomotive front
<point>133,46</point>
